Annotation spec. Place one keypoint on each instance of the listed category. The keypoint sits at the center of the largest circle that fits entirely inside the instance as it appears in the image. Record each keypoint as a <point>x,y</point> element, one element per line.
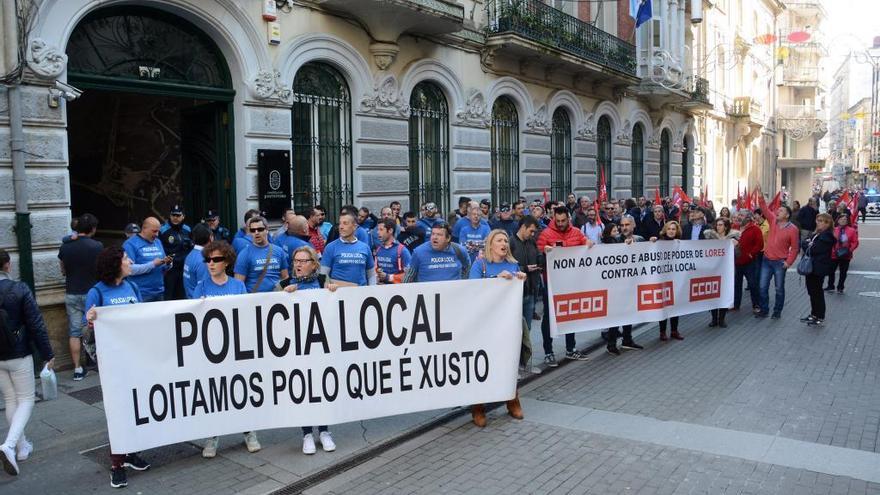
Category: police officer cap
<point>132,228</point>
<point>212,214</point>
<point>177,210</point>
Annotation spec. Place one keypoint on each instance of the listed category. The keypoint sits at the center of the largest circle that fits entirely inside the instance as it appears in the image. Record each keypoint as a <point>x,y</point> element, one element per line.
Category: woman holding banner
<point>498,262</point>
<point>220,256</point>
<point>818,247</point>
<point>306,277</point>
<point>671,232</point>
<point>111,269</point>
<point>847,238</point>
<point>722,231</point>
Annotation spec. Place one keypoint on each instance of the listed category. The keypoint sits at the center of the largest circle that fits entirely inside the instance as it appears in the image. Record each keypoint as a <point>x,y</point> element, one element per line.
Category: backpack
<point>8,336</point>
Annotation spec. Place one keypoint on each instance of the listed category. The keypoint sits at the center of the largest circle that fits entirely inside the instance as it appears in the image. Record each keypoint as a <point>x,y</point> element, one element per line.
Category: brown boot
<point>479,414</point>
<point>677,336</point>
<point>514,409</point>
<point>663,335</point>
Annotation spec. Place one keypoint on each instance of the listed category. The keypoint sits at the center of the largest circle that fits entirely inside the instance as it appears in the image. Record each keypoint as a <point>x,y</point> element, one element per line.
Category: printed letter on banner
<point>610,285</point>
<point>181,370</point>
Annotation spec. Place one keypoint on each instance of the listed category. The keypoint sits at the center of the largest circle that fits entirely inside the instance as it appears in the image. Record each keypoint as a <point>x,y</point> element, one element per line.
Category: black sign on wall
<point>273,179</point>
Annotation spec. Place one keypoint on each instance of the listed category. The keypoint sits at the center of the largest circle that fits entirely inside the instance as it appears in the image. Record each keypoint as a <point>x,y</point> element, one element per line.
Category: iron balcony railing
<point>744,106</point>
<point>698,87</point>
<point>539,22</point>
<point>791,112</point>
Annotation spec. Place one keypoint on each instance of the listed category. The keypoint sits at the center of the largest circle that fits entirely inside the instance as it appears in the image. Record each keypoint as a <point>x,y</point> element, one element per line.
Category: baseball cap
<point>132,228</point>
<point>211,214</point>
<point>505,207</point>
<point>486,202</point>
<point>430,206</point>
<point>176,210</point>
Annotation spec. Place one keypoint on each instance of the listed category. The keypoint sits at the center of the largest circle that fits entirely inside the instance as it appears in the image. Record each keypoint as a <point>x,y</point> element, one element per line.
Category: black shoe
<point>816,323</point>
<point>840,291</point>
<point>604,335</point>
<point>135,462</point>
<point>118,479</point>
<point>630,345</point>
<point>829,289</point>
<point>612,350</point>
<point>713,324</point>
<point>760,314</point>
<point>776,316</point>
<point>722,324</point>
<point>807,319</point>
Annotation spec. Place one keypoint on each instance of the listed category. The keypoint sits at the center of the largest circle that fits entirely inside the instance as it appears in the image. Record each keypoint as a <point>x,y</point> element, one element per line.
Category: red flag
<point>845,198</point>
<point>740,204</point>
<point>546,198</point>
<point>657,199</point>
<point>603,193</point>
<point>854,211</point>
<point>598,210</point>
<point>681,195</point>
<point>777,201</point>
<point>747,199</point>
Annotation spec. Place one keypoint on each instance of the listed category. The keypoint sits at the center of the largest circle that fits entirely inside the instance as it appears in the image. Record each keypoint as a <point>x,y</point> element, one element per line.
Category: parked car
<point>873,204</point>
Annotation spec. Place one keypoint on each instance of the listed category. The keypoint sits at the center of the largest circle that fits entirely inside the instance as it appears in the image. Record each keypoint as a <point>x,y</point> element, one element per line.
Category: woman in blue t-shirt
<point>498,262</point>
<point>111,269</point>
<point>306,277</point>
<point>220,256</point>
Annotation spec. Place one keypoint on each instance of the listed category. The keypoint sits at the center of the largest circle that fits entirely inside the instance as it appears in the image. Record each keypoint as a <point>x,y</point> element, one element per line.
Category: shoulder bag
<point>805,265</point>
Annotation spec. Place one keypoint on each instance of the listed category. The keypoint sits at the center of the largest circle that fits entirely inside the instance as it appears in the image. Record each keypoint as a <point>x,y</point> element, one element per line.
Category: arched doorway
<point>664,163</point>
<point>153,127</point>
<point>505,152</point>
<point>603,153</point>
<point>687,160</point>
<point>638,162</point>
<point>428,147</point>
<point>560,156</point>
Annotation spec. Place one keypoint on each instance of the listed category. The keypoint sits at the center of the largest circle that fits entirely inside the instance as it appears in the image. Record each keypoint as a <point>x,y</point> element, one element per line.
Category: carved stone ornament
<point>487,57</point>
<point>588,128</point>
<point>384,53</point>
<point>267,85</point>
<point>654,140</point>
<point>386,99</point>
<point>624,137</point>
<point>474,113</point>
<point>678,141</point>
<point>45,60</point>
<point>539,123</point>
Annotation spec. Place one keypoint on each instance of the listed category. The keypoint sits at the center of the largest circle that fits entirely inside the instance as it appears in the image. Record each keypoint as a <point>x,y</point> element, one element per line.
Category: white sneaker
<point>210,449</point>
<point>23,450</point>
<point>326,441</point>
<point>7,457</point>
<point>308,444</point>
<point>250,440</point>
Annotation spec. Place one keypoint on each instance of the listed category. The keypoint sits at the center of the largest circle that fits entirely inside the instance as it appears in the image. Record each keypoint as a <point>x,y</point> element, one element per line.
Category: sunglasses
<point>216,259</point>
<point>258,229</point>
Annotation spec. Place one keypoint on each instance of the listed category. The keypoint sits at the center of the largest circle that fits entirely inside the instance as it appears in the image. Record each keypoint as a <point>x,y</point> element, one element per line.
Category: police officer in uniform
<point>177,242</point>
<point>221,233</point>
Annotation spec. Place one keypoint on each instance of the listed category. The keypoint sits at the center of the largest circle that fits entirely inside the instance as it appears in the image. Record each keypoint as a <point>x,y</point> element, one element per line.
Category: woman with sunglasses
<point>219,256</point>
<point>306,277</point>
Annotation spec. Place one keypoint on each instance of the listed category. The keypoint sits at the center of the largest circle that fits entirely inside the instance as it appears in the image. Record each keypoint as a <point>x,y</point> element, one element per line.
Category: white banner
<point>610,285</point>
<point>182,370</point>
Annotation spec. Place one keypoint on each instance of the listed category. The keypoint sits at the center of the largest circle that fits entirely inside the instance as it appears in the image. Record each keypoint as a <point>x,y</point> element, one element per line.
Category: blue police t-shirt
<point>348,261</point>
<point>363,235</point>
<point>461,222</point>
<point>141,251</point>
<point>484,269</point>
<point>207,288</point>
<point>250,264</point>
<point>311,284</point>
<point>290,243</point>
<point>393,259</point>
<point>433,266</point>
<point>239,243</point>
<point>102,294</point>
<point>194,270</point>
<point>473,238</point>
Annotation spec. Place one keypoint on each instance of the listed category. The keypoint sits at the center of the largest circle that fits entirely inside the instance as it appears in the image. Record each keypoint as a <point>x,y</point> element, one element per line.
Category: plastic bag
<point>49,382</point>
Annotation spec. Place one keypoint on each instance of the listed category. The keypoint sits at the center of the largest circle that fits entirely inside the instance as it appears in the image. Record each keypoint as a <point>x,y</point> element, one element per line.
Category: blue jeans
<point>749,271</point>
<point>75,304</point>
<point>308,430</point>
<point>772,269</point>
<point>529,309</point>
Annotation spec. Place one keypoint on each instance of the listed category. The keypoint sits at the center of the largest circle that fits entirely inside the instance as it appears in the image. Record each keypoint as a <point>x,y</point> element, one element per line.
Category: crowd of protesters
<point>165,261</point>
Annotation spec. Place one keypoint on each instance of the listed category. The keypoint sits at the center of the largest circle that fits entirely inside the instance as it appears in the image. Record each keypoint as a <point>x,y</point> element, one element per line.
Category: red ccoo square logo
<point>656,296</point>
<point>703,288</point>
<point>581,305</point>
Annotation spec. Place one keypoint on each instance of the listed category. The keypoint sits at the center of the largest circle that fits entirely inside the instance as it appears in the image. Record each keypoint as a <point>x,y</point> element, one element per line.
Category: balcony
<point>801,76</point>
<point>697,90</point>
<point>535,31</point>
<point>800,122</point>
<point>805,7</point>
<point>430,17</point>
<point>744,107</point>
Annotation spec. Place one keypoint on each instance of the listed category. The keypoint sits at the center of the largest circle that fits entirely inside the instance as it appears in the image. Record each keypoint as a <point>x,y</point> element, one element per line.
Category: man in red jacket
<point>780,252</point>
<point>751,242</point>
<point>559,233</point>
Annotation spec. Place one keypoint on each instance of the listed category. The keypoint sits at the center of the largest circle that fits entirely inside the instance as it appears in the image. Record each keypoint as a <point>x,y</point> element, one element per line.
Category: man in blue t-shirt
<point>194,269</point>
<point>505,220</point>
<point>392,258</point>
<point>242,238</point>
<point>348,261</point>
<point>145,247</point>
<point>473,234</point>
<point>295,235</point>
<point>262,264</point>
<point>385,214</point>
<point>440,259</point>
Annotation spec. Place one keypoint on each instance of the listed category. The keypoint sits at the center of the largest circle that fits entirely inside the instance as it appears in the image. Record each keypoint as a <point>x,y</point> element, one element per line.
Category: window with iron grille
<point>428,147</point>
<point>638,162</point>
<point>505,152</point>
<point>664,163</point>
<point>603,152</point>
<point>685,163</point>
<point>560,156</point>
<point>321,139</point>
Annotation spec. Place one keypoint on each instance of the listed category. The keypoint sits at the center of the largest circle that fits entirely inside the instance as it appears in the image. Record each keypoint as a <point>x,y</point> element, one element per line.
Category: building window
<point>664,163</point>
<point>638,161</point>
<point>685,163</point>
<point>321,139</point>
<point>505,152</point>
<point>428,147</point>
<point>560,156</point>
<point>603,152</point>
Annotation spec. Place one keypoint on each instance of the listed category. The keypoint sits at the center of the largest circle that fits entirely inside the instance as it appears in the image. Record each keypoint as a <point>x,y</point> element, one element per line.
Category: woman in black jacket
<point>16,365</point>
<point>819,247</point>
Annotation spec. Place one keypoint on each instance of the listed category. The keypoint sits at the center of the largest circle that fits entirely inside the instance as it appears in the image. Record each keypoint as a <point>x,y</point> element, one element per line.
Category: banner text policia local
<point>182,370</point>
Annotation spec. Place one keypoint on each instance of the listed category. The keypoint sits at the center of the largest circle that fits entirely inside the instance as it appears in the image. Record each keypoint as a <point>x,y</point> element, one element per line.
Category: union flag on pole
<point>603,192</point>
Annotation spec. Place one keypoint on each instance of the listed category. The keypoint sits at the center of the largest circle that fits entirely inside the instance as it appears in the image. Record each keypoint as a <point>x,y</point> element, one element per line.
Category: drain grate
<point>160,456</point>
<point>90,396</point>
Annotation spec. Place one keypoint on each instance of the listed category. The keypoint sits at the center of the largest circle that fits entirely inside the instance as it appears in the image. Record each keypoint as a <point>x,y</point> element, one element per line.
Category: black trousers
<point>174,284</point>
<point>817,295</point>
<point>614,333</point>
<point>545,328</point>
<point>673,321</point>
<point>718,314</point>
<point>843,266</point>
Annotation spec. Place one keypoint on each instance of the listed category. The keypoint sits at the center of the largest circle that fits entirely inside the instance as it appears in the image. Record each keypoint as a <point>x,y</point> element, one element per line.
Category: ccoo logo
<point>703,288</point>
<point>656,296</point>
<point>581,305</point>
